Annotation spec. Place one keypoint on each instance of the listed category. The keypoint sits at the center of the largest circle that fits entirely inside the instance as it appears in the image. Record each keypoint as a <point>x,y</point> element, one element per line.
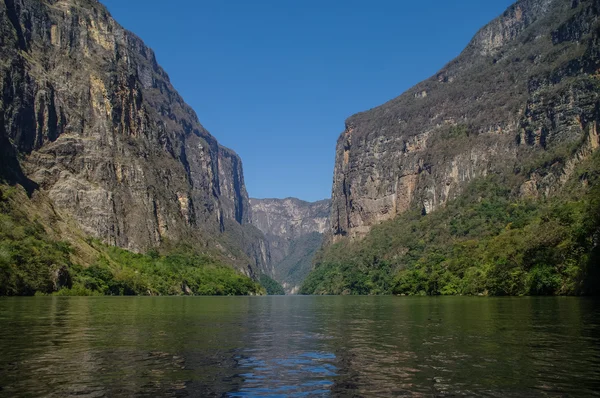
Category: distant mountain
<point>517,110</point>
<point>294,230</point>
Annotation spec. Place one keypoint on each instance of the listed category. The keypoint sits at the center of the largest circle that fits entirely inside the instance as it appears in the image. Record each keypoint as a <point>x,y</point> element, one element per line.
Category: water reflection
<point>297,374</point>
<point>465,346</point>
<point>299,346</point>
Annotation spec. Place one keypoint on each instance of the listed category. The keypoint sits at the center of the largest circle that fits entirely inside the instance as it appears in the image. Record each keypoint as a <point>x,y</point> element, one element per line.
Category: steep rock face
<point>527,85</point>
<point>97,124</point>
<point>294,230</point>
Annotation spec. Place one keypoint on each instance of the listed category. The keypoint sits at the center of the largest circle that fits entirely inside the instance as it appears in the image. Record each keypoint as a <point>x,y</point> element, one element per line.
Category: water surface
<point>299,346</point>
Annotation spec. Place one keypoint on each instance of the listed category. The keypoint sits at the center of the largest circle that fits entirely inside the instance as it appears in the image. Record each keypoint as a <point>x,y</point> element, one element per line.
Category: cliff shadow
<point>10,168</point>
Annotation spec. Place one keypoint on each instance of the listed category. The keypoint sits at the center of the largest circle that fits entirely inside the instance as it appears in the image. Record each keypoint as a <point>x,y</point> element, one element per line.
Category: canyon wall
<point>88,116</point>
<point>525,88</point>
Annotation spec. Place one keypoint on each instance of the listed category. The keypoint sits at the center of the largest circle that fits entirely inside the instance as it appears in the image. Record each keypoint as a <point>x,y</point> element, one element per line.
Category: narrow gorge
<point>140,258</point>
<point>294,230</point>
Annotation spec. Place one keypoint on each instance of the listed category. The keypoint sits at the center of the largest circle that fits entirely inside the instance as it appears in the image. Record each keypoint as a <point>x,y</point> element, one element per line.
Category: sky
<point>275,80</point>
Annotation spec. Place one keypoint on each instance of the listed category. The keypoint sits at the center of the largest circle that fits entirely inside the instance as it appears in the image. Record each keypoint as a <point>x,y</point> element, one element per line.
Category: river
<point>299,346</point>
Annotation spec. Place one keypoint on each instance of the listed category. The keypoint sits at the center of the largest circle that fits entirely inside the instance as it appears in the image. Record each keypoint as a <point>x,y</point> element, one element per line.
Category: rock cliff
<point>294,230</point>
<point>88,116</point>
<point>525,88</point>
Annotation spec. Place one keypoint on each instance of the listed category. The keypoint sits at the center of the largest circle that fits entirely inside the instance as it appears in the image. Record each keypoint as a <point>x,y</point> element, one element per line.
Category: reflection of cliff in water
<point>460,346</point>
<point>71,352</point>
<point>318,346</point>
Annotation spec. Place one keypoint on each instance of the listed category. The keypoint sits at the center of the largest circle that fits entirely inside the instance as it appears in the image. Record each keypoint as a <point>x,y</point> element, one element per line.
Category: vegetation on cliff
<point>481,179</point>
<point>296,266</point>
<point>525,86</point>
<point>272,287</point>
<point>28,256</point>
<point>32,262</point>
<point>487,241</point>
<point>120,272</point>
<point>102,132</point>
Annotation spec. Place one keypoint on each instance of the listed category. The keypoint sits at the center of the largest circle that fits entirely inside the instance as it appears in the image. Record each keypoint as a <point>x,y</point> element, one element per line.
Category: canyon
<point>294,230</point>
<point>99,151</point>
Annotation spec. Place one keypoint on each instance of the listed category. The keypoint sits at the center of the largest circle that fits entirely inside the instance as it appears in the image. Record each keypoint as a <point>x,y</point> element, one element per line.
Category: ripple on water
<point>305,346</point>
<point>295,375</point>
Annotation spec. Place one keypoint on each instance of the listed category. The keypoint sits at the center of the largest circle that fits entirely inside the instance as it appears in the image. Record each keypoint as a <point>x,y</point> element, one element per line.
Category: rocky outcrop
<point>294,230</point>
<point>96,124</point>
<point>525,88</point>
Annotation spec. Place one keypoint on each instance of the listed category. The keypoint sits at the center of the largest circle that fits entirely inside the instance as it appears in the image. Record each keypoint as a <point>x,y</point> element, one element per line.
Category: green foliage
<point>294,268</point>
<point>119,272</point>
<point>486,242</point>
<point>30,261</point>
<point>272,287</point>
<point>458,131</point>
<point>543,280</point>
<point>77,291</point>
<point>28,257</point>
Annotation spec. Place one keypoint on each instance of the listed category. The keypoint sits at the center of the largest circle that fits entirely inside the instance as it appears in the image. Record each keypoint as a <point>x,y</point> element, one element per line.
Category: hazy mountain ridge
<point>294,230</point>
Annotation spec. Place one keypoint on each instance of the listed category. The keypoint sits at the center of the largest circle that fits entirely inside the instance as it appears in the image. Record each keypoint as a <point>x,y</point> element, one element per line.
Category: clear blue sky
<point>275,79</point>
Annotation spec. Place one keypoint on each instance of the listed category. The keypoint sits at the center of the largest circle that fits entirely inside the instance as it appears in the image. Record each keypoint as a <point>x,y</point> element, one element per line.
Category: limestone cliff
<point>294,230</point>
<point>525,87</point>
<point>88,116</point>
